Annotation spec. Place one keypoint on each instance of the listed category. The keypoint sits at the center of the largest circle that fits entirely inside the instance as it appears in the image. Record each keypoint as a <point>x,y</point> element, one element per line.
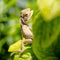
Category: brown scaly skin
<point>27,34</point>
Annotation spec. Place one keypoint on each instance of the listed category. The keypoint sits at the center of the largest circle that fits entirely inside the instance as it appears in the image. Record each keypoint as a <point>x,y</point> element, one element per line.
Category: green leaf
<point>26,56</point>
<point>45,38</point>
<point>15,46</point>
<point>16,57</point>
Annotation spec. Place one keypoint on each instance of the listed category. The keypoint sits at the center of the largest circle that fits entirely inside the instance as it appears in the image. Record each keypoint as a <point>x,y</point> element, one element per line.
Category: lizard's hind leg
<point>29,41</point>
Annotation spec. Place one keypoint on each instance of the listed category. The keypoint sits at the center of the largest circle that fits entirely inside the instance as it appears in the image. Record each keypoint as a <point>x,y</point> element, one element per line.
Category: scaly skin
<point>27,34</point>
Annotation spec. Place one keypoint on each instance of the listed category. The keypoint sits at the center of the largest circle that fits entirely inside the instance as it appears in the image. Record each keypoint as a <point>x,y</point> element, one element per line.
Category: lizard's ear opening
<point>31,13</point>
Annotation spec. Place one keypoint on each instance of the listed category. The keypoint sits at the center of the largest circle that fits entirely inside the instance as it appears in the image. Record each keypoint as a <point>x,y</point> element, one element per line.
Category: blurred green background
<point>10,31</point>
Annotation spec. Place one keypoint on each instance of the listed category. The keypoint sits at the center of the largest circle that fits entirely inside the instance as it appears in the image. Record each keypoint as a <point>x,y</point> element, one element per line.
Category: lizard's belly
<point>26,32</point>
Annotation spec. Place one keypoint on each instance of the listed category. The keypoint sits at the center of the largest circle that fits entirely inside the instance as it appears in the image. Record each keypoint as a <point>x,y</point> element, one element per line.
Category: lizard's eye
<point>20,16</point>
<point>26,15</point>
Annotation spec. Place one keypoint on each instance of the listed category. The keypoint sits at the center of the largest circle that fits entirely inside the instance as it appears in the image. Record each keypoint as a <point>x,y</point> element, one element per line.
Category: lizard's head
<point>26,15</point>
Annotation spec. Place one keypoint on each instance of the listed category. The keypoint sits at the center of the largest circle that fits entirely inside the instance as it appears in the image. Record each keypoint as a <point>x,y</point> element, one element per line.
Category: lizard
<point>25,16</point>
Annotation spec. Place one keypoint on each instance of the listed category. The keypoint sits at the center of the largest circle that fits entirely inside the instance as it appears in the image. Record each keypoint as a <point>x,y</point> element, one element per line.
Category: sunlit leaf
<point>15,46</point>
<point>49,8</point>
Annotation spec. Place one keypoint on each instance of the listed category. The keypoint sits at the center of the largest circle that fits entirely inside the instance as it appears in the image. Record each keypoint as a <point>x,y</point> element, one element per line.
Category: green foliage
<point>27,54</point>
<point>47,33</point>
